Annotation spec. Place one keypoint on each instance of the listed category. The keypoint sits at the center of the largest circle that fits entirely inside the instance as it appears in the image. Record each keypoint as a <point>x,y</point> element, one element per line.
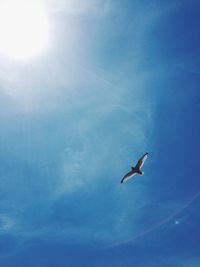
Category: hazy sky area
<point>113,80</point>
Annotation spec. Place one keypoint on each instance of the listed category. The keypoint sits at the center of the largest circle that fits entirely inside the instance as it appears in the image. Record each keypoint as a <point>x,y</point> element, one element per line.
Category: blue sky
<point>119,78</point>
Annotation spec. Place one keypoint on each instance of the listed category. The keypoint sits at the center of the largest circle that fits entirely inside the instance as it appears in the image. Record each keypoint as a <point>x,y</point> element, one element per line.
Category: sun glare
<point>23,28</point>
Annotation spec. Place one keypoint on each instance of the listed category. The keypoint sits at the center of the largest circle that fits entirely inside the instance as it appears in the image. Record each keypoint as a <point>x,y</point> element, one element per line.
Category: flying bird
<point>135,170</point>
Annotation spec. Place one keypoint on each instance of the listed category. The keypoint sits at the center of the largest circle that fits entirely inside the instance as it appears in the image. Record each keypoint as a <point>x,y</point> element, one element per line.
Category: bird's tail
<point>140,173</point>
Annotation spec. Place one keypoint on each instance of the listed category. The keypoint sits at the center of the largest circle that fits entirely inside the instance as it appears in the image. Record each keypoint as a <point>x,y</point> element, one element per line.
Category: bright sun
<point>23,28</point>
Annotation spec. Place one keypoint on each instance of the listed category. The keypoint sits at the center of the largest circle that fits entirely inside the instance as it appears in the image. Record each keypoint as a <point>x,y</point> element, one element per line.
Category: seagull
<point>136,169</point>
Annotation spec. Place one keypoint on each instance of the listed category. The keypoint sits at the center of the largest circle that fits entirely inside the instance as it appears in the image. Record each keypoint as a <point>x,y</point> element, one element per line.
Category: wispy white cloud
<point>7,224</point>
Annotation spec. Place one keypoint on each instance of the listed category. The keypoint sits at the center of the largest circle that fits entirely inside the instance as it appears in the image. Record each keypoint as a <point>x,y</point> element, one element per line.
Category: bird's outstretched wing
<point>141,161</point>
<point>128,176</point>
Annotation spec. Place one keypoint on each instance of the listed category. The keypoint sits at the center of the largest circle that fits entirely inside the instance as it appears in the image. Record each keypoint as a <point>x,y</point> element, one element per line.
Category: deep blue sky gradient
<point>121,78</point>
